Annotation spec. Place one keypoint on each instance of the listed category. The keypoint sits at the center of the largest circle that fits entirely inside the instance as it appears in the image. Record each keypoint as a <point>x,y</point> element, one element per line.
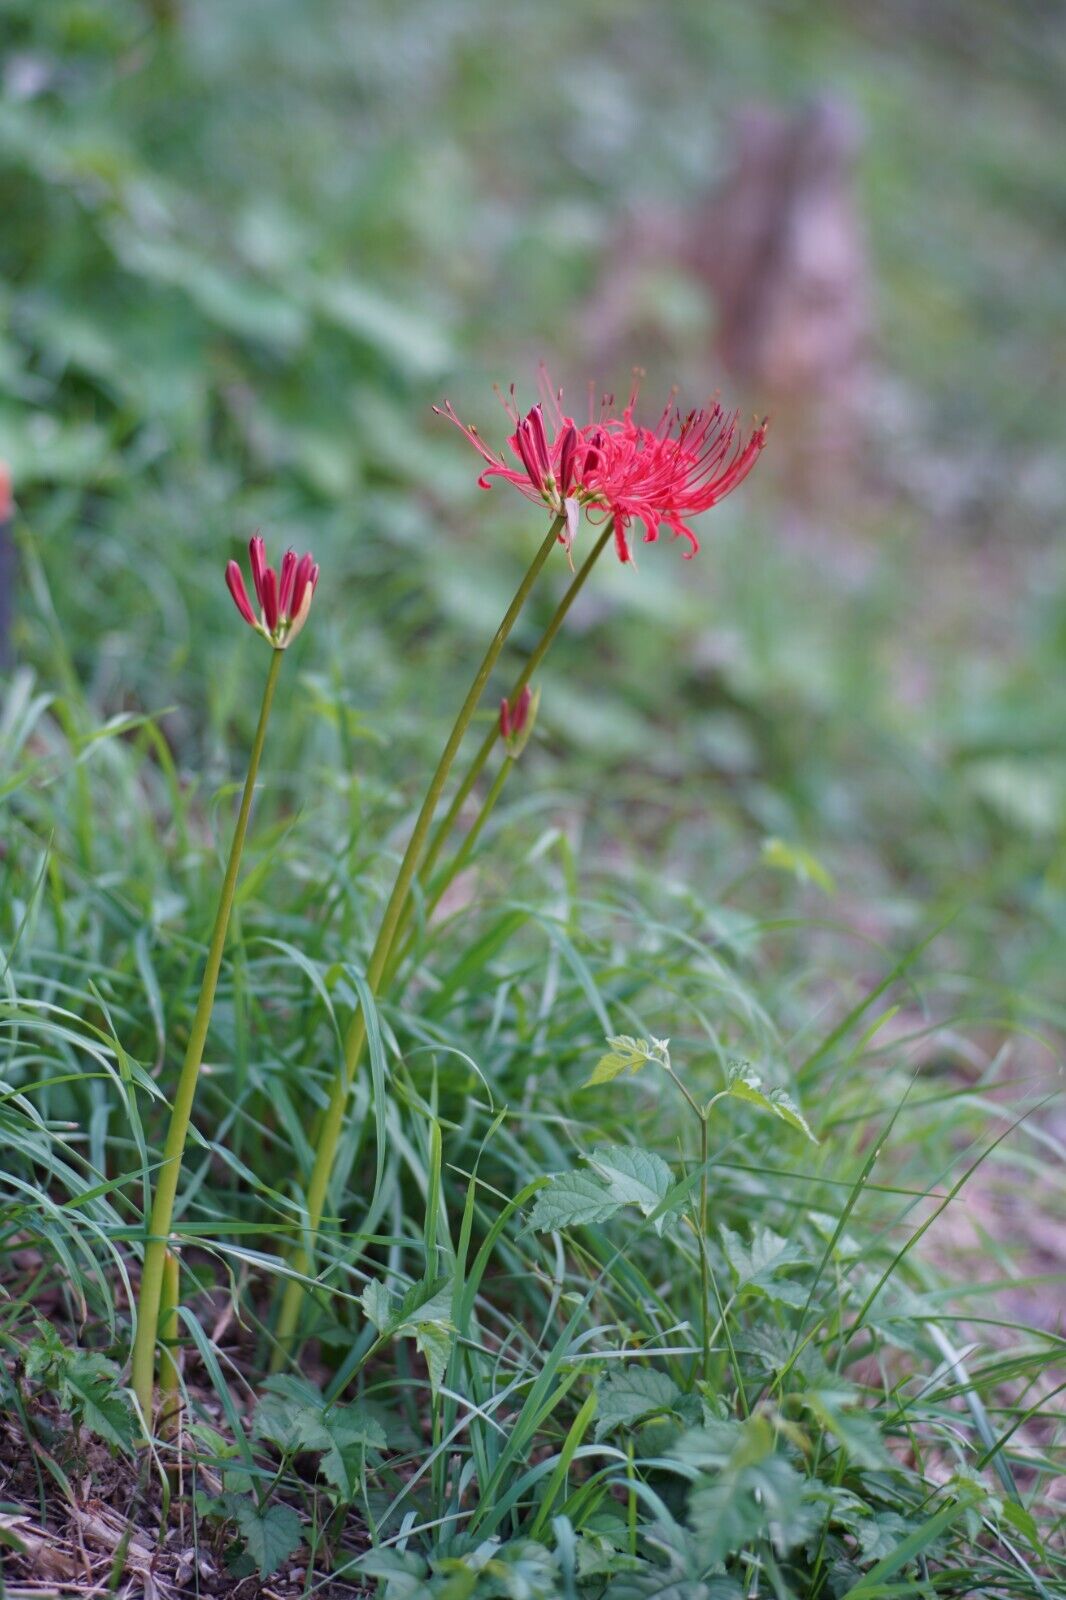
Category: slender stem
<point>155,1250</point>
<point>540,650</point>
<point>705,1288</point>
<point>333,1120</point>
<point>169,1335</point>
<point>449,873</point>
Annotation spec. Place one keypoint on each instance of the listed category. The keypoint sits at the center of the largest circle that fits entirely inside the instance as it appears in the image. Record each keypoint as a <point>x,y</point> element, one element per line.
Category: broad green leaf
<point>635,1392</point>
<point>269,1537</point>
<point>423,1314</point>
<point>628,1055</point>
<point>634,1177</point>
<point>569,1201</point>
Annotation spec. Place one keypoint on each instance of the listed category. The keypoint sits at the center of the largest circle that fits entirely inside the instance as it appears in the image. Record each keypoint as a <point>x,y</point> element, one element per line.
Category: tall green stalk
<point>333,1120</point>
<point>155,1250</point>
<point>539,651</point>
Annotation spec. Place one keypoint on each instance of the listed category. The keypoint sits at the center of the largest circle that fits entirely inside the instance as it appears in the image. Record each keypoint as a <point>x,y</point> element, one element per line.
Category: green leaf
<point>803,866</point>
<point>423,1314</point>
<point>761,1500</point>
<point>856,1433</point>
<point>634,1177</point>
<point>270,1537</point>
<point>378,1302</point>
<point>628,1055</point>
<point>343,1435</point>
<point>104,1411</point>
<point>427,1301</point>
<point>435,1342</point>
<point>569,1201</point>
<point>294,1416</point>
<point>759,1266</point>
<point>745,1084</point>
<point>906,1551</point>
<point>281,1411</point>
<point>635,1392</point>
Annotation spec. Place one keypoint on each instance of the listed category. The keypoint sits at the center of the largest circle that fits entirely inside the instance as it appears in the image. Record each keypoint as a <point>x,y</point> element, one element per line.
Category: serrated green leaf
<point>294,1416</point>
<point>759,1267</point>
<point>269,1537</point>
<point>427,1301</point>
<point>107,1413</point>
<point>858,1435</point>
<point>570,1201</point>
<point>435,1342</point>
<point>282,1409</point>
<point>635,1392</point>
<point>379,1304</point>
<point>627,1054</point>
<point>736,1508</point>
<point>342,1434</point>
<point>745,1084</point>
<point>634,1177</point>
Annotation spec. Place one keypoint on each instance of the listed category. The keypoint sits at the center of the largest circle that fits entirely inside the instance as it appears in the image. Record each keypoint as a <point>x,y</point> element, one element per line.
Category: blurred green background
<point>246,245</point>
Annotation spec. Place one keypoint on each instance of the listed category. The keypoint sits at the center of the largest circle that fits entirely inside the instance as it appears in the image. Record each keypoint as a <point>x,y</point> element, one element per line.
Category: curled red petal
<point>270,599</point>
<point>235,584</point>
<point>257,557</point>
<point>285,583</point>
<point>302,576</point>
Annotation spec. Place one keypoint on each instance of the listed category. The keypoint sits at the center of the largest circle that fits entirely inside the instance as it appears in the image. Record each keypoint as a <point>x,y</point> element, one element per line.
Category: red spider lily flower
<point>546,470</point>
<point>284,601</point>
<point>615,467</point>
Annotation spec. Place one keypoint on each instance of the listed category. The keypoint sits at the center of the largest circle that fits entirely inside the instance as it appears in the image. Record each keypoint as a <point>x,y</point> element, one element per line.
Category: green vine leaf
<point>745,1084</point>
<point>628,1055</point>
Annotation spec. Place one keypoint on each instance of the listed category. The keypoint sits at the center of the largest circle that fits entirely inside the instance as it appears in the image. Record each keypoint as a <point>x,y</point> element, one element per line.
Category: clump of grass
<point>516,1380</point>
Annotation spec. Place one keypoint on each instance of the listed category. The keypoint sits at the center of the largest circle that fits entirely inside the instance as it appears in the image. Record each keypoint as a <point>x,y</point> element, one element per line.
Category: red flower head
<point>615,467</point>
<point>284,600</point>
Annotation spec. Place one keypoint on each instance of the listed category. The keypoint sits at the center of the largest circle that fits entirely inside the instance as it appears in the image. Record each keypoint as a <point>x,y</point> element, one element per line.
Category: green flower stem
<point>451,871</point>
<point>705,1286</point>
<point>547,639</point>
<point>333,1120</point>
<point>169,1336</point>
<point>155,1250</point>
